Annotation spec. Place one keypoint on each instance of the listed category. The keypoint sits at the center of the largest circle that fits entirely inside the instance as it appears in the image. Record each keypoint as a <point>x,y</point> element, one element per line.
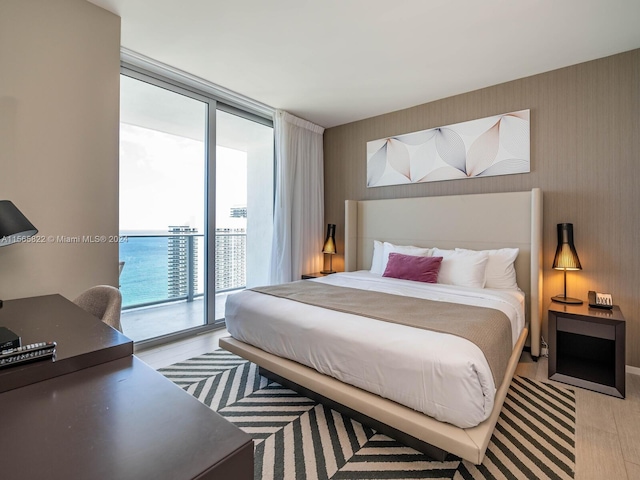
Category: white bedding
<point>441,375</point>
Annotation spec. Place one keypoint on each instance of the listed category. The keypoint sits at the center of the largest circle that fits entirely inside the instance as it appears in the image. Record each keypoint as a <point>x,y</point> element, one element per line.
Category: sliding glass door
<point>163,165</point>
<point>244,204</point>
<point>196,202</point>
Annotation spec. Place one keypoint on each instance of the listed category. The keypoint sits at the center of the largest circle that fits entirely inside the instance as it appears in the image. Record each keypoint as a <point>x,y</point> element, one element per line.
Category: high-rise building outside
<point>238,212</point>
<point>182,256</point>
<point>230,259</point>
<point>231,253</point>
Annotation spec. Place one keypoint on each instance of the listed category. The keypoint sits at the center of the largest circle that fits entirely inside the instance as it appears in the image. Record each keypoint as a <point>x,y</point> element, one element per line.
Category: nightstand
<point>587,347</point>
<point>307,276</point>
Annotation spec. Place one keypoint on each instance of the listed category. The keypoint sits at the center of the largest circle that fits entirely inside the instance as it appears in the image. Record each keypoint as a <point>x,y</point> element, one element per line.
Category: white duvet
<point>441,375</point>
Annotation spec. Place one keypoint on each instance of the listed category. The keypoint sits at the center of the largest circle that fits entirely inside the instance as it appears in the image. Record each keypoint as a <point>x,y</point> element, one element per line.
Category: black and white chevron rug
<point>298,438</point>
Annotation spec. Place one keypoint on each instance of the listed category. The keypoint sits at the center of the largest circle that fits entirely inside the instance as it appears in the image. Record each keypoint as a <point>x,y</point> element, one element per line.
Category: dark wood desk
<point>119,420</point>
<point>115,419</point>
<point>83,341</point>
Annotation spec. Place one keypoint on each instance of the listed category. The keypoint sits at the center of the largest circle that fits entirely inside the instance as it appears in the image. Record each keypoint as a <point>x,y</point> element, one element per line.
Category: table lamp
<point>330,247</point>
<point>14,226</point>
<point>566,259</point>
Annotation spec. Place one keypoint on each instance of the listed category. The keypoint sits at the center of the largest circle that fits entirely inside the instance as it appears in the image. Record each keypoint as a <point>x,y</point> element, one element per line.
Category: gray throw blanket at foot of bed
<point>487,328</point>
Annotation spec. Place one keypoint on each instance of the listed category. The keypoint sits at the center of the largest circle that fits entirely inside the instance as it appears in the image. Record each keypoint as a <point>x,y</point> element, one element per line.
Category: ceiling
<point>338,61</point>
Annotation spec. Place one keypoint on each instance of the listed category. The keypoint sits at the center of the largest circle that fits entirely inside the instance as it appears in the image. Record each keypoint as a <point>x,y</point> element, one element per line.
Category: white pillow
<point>403,249</point>
<point>465,269</point>
<point>501,271</point>
<point>381,253</point>
<point>376,260</point>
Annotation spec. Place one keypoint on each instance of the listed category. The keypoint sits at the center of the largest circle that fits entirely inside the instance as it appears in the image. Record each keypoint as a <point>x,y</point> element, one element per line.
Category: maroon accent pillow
<point>410,267</point>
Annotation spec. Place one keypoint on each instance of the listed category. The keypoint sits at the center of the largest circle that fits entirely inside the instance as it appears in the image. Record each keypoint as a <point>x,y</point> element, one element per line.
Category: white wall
<point>59,107</point>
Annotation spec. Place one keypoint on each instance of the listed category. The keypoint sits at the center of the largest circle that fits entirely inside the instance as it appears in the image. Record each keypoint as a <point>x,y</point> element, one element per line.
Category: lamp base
<point>327,272</point>
<point>569,300</point>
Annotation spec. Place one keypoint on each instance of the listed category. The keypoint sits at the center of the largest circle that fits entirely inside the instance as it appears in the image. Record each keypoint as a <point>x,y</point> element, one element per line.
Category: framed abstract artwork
<point>497,145</point>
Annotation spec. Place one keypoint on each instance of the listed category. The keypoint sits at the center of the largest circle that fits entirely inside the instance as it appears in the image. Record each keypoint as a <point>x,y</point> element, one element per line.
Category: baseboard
<point>633,370</point>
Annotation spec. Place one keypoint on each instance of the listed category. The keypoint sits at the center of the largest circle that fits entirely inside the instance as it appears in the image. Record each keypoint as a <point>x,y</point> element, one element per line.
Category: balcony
<point>162,282</point>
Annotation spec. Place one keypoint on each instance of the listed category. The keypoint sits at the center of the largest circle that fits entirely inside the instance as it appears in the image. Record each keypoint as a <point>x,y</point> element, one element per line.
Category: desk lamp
<point>566,259</point>
<point>330,247</point>
<point>14,226</point>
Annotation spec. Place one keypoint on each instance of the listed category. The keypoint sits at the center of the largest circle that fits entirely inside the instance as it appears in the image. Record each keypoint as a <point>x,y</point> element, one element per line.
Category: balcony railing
<point>167,268</point>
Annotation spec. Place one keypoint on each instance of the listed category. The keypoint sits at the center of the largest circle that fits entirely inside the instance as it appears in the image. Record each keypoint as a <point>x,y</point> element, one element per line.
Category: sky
<point>162,181</point>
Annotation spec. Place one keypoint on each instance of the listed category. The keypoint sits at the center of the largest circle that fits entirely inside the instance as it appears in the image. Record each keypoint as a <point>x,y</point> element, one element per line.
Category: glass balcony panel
<point>157,300</point>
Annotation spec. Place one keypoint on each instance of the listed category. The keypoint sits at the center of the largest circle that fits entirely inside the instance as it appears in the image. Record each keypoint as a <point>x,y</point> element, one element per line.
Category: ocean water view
<point>145,274</point>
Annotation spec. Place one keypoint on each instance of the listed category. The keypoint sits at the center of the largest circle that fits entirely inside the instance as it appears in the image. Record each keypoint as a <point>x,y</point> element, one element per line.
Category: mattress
<point>441,375</point>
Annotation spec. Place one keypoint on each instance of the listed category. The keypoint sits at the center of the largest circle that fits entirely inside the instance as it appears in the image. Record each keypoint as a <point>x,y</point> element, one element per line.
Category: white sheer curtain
<point>299,203</point>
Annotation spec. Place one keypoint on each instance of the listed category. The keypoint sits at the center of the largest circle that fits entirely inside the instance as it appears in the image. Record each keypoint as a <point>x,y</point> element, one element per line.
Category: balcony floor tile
<point>149,322</point>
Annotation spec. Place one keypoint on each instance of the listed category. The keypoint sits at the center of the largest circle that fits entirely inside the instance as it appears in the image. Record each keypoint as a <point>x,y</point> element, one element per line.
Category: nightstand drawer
<point>581,327</point>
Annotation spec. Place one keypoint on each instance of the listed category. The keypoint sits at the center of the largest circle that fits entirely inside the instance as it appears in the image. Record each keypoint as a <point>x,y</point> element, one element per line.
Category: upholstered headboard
<point>481,221</point>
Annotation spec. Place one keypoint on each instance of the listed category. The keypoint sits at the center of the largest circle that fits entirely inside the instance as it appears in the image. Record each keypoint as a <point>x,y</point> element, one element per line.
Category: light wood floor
<point>607,428</point>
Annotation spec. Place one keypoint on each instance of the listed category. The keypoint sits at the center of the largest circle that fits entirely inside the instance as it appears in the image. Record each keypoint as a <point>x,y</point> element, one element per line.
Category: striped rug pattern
<point>298,438</point>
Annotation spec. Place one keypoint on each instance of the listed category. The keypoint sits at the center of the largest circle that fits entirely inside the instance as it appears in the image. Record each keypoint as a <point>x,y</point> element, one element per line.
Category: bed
<point>475,222</point>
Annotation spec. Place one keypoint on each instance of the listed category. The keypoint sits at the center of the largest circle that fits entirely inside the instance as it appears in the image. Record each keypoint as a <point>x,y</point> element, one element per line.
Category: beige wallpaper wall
<point>59,108</point>
<point>585,156</point>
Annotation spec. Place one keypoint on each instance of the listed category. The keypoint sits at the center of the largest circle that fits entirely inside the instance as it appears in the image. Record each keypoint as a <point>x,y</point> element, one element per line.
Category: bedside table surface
<point>306,276</point>
<point>585,310</point>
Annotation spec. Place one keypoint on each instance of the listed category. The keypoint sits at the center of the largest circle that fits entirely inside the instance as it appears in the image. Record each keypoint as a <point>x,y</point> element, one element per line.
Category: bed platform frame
<point>482,221</point>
